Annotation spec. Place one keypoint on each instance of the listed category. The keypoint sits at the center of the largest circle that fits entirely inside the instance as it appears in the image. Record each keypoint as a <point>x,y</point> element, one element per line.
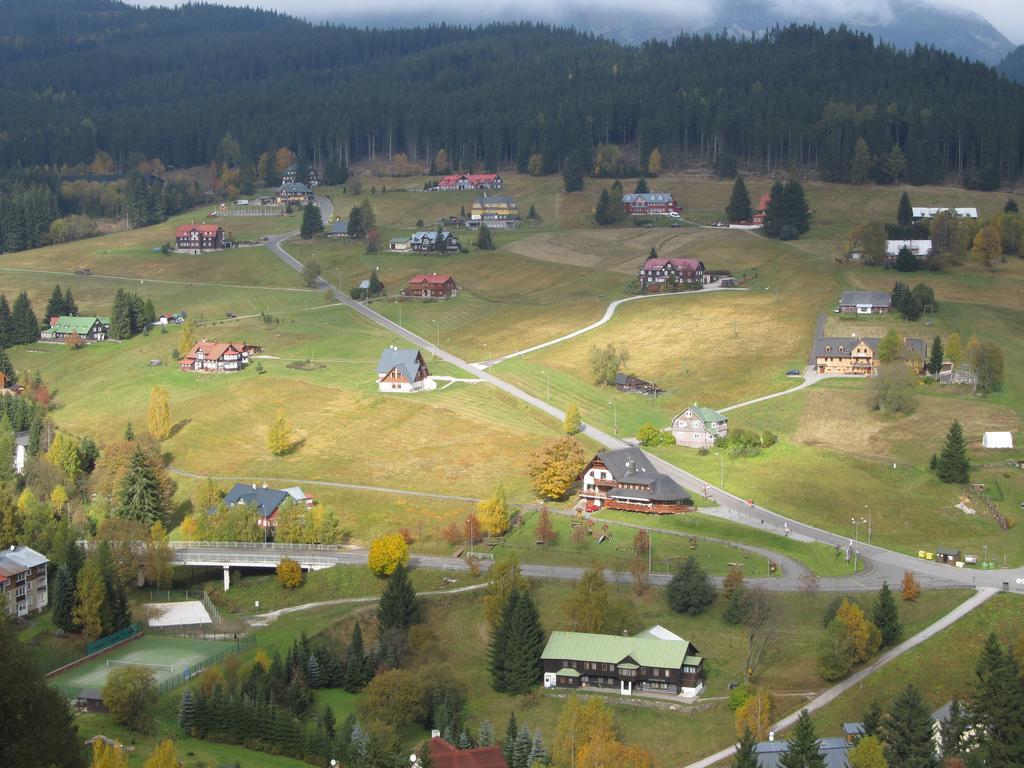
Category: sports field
<point>166,656</point>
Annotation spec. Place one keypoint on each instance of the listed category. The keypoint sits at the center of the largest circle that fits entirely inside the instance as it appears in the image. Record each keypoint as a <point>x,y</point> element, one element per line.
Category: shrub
<point>130,695</point>
<point>289,573</point>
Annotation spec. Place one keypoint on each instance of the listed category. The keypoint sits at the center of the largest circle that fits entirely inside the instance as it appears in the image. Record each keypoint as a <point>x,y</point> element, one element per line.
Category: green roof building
<point>699,427</point>
<point>654,661</point>
<point>87,328</point>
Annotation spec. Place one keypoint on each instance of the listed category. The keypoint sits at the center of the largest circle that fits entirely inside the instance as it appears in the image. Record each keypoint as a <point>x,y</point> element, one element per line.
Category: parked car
<point>793,372</point>
<point>230,314</point>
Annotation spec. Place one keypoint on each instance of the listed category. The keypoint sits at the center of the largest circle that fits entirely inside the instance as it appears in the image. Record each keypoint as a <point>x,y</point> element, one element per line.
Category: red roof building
<point>470,181</point>
<point>215,356</point>
<point>196,238</point>
<point>656,273</point>
<point>432,286</point>
<point>762,206</point>
<point>444,755</point>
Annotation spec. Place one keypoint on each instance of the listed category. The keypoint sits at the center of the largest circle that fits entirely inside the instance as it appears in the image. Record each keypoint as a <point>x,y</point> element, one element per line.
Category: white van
<point>674,215</point>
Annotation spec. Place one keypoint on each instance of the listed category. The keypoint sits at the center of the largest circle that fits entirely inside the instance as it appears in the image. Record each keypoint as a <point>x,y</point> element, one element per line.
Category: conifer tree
<point>485,734</point>
<point>70,305</point>
<point>24,323</point>
<point>121,316</point>
<point>997,707</point>
<point>187,712</point>
<point>139,496</point>
<point>521,750</point>
<point>803,750</point>
<point>904,211</point>
<point>355,662</point>
<point>538,755</point>
<point>746,750</point>
<point>735,610</point>
<point>398,610</point>
<point>511,732</point>
<point>872,719</point>
<point>524,645</point>
<point>55,306</point>
<point>690,590</point>
<point>6,323</point>
<point>148,313</point>
<point>497,654</point>
<point>739,202</point>
<point>464,741</point>
<point>886,616</point>
<point>312,222</point>
<point>953,730</point>
<point>953,465</point>
<point>936,357</point>
<point>7,368</point>
<point>641,187</point>
<point>604,214</point>
<point>484,240</point>
<point>907,732</point>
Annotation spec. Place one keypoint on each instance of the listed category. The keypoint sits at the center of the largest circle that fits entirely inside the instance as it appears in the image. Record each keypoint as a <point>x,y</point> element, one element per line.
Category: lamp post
<point>437,327</point>
<point>615,415</point>
<point>470,521</point>
<point>650,549</point>
<point>721,458</point>
<point>547,377</point>
<point>856,527</point>
<point>868,510</point>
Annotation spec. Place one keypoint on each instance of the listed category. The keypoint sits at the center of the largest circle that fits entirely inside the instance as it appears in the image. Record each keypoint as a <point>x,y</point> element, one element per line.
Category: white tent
<point>997,440</point>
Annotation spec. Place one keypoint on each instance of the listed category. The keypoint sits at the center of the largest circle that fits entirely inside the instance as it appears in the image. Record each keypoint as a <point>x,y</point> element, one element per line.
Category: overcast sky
<point>1004,15</point>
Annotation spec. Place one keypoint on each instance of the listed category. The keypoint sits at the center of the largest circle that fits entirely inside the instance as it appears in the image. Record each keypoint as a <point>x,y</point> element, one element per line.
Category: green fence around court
<point>179,678</point>
<point>113,639</point>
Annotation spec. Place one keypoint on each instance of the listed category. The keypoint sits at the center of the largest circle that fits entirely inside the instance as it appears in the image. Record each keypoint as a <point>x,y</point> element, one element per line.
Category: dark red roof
<point>763,203</point>
<point>444,755</point>
<point>434,279</point>
<point>687,265</point>
<point>203,229</point>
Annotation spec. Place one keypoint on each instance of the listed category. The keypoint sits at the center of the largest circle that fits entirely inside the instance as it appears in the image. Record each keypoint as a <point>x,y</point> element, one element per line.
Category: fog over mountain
<point>954,25</point>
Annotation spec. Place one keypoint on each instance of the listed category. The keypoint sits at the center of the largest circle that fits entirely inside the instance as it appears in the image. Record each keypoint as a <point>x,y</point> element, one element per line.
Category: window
<point>22,576</point>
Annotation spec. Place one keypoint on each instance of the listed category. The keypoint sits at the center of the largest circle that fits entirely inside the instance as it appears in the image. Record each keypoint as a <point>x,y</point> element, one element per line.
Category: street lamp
<point>856,527</point>
<point>868,510</point>
<point>721,482</point>
<point>615,415</point>
<point>470,521</point>
<point>437,327</point>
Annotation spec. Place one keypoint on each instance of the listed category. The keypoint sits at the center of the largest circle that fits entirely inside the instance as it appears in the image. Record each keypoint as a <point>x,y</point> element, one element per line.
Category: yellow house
<point>859,356</point>
<point>498,212</point>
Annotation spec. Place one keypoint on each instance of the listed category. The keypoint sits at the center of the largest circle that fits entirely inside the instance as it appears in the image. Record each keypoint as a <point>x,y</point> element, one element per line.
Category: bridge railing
<point>265,545</point>
<point>233,558</point>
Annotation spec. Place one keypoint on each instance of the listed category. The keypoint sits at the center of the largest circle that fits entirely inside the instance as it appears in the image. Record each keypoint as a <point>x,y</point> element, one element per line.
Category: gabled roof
<point>203,229</point>
<point>485,200</point>
<point>75,324</point>
<point>914,347</point>
<point>444,755</point>
<point>997,440</point>
<point>295,188</point>
<point>687,265</point>
<point>266,500</point>
<point>631,465</point>
<point>406,360</point>
<point>707,415</point>
<point>18,559</point>
<point>340,227</point>
<point>833,749</point>
<point>762,204</point>
<point>428,237</point>
<point>648,197</point>
<point>433,279</point>
<point>212,350</point>
<point>658,632</point>
<point>874,298</point>
<point>612,649</point>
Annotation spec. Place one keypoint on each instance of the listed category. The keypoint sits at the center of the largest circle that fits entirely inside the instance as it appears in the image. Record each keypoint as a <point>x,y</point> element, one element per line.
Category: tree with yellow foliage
<point>91,597</point>
<point>493,513</point>
<point>865,637</point>
<point>159,415</point>
<point>280,438</point>
<point>58,498</point>
<point>387,553</point>
<point>284,159</point>
<point>654,162</point>
<point>755,714</point>
<point>987,244</point>
<point>535,165</point>
<point>554,466</point>
<point>441,162</point>
<point>106,755</point>
<point>187,337</point>
<point>158,556</point>
<point>580,722</point>
<point>63,454</point>
<point>289,573</point>
<point>911,589</point>
<point>605,751</point>
<point>163,756</point>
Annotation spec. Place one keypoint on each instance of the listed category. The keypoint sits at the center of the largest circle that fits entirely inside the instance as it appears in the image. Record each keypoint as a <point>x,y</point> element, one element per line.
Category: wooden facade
<point>196,238</point>
<point>432,286</point>
<point>625,479</point>
<point>215,356</point>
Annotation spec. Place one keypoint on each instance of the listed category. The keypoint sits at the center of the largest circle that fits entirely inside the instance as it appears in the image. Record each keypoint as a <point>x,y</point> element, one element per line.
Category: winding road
<point>888,565</point>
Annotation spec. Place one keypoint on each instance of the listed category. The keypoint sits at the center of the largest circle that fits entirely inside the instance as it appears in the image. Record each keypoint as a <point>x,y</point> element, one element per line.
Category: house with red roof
<point>445,755</point>
<point>196,238</point>
<point>762,206</point>
<point>470,181</point>
<point>665,274</point>
<point>222,357</point>
<point>432,286</point>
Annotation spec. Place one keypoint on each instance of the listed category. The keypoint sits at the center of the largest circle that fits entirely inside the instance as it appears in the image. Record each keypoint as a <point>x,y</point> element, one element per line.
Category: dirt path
<point>263,619</point>
<point>153,280</point>
<point>830,695</point>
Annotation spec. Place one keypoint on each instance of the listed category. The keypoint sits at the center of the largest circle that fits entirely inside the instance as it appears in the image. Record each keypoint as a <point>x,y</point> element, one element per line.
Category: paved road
<point>608,314</point>
<point>855,679</point>
<point>889,565</point>
<point>154,280</point>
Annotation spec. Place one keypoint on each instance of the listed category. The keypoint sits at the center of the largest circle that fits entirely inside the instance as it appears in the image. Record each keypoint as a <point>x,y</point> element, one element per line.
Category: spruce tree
<point>735,610</point>
<point>7,368</point>
<point>484,240</point>
<point>603,213</point>
<point>872,719</point>
<point>35,434</point>
<point>746,750</point>
<point>498,651</point>
<point>803,750</point>
<point>121,316</point>
<point>524,645</point>
<point>907,732</point>
<point>70,305</point>
<point>739,202</point>
<point>690,590</point>
<point>997,707</point>
<point>485,734</point>
<point>511,732</point>
<point>187,713</point>
<point>538,755</point>
<point>953,465</point>
<point>936,357</point>
<point>641,187</point>
<point>6,323</point>
<point>886,616</point>
<point>24,323</point>
<point>464,741</point>
<point>399,607</point>
<point>55,306</point>
<point>139,496</point>
<point>312,222</point>
<point>521,750</point>
<point>904,212</point>
<point>774,214</point>
<point>953,730</point>
<point>64,598</point>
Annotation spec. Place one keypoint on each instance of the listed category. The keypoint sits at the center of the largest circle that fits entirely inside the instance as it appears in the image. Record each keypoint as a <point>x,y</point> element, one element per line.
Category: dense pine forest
<point>85,75</point>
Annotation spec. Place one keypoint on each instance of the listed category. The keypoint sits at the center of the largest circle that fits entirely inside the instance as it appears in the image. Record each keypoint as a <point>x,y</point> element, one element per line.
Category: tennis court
<point>167,657</point>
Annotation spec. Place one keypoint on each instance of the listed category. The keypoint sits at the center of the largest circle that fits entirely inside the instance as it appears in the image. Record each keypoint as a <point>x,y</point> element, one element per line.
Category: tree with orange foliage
<point>755,714</point>
<point>865,637</point>
<point>605,751</point>
<point>911,588</point>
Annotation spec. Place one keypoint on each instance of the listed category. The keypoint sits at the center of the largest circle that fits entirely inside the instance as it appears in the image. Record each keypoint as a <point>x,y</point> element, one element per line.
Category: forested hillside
<point>82,75</point>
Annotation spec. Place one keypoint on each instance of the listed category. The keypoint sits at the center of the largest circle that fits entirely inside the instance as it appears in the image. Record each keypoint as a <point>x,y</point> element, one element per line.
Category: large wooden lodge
<point>626,479</point>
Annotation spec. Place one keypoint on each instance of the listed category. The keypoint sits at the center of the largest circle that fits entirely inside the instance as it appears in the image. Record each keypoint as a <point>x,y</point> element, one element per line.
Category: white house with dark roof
<point>403,370</point>
<point>626,479</point>
<point>865,302</point>
<point>699,427</point>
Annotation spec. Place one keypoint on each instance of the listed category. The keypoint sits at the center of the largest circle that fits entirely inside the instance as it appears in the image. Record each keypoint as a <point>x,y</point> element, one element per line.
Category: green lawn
<point>616,553</point>
<point>819,558</point>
